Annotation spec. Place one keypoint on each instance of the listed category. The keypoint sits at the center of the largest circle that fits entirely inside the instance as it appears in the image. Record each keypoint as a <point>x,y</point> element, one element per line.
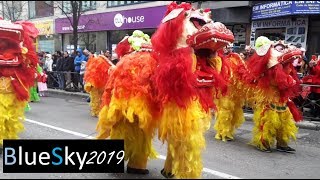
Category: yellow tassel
<point>184,129</point>
<point>11,116</point>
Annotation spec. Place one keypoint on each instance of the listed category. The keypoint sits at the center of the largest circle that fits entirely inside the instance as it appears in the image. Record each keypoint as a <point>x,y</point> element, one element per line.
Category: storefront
<point>104,30</point>
<point>45,40</point>
<point>291,30</point>
<point>285,20</point>
<point>237,20</point>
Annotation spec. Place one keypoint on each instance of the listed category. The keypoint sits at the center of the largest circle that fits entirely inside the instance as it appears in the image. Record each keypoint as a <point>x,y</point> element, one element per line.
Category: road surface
<point>68,117</point>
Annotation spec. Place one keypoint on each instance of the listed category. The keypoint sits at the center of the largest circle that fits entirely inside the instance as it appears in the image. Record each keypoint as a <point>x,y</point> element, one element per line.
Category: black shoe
<point>285,149</point>
<point>166,175</point>
<point>137,171</point>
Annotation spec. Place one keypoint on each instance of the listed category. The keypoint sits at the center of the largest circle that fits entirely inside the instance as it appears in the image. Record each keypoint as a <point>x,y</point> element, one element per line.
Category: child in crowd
<point>42,85</point>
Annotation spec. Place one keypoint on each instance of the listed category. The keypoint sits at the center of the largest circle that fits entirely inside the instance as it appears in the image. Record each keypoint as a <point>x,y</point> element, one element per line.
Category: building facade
<point>105,23</point>
<point>102,23</point>
<point>292,21</point>
<point>236,15</point>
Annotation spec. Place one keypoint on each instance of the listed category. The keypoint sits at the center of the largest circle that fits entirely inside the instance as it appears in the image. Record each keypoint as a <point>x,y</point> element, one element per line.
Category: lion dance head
<point>185,45</point>
<point>18,59</point>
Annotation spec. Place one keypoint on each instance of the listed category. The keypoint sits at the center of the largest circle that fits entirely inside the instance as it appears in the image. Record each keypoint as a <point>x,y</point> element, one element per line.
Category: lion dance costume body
<point>127,102</point>
<point>229,114</point>
<point>18,63</point>
<point>171,88</point>
<point>96,78</point>
<point>187,83</point>
<point>272,73</point>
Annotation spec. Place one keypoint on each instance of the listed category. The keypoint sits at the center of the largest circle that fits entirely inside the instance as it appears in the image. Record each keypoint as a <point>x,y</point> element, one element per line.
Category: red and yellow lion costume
<point>96,78</point>
<point>229,114</point>
<point>18,63</point>
<point>171,88</point>
<point>271,72</point>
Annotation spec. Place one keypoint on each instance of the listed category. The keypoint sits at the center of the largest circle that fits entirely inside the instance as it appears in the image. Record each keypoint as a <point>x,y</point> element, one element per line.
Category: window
<point>123,3</point>
<point>40,9</point>
<point>86,6</point>
<point>12,10</point>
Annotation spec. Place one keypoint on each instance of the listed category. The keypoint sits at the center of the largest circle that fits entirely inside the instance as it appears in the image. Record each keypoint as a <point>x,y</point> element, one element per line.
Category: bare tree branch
<point>13,10</point>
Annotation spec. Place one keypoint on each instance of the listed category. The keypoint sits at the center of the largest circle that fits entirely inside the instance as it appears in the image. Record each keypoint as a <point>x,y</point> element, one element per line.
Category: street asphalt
<point>67,117</point>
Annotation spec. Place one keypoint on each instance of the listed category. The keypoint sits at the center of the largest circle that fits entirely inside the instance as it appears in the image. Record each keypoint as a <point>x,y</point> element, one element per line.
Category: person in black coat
<point>68,68</point>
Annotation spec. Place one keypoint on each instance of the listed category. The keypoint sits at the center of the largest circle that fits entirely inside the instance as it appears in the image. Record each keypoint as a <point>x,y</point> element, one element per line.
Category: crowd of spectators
<point>66,71</point>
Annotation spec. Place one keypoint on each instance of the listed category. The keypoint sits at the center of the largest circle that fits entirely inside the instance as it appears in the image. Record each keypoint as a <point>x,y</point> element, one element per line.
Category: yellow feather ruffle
<point>132,121</point>
<point>95,100</point>
<point>271,126</point>
<point>11,116</point>
<point>184,130</point>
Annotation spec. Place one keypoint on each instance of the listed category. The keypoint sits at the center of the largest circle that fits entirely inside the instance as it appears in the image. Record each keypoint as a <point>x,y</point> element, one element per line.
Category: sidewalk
<point>63,92</point>
<point>306,124</point>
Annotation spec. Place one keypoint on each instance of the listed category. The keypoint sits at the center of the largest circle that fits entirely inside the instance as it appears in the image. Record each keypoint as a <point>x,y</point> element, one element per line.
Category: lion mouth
<point>204,76</point>
<point>210,35</point>
<point>290,56</point>
<point>197,22</point>
<point>9,51</point>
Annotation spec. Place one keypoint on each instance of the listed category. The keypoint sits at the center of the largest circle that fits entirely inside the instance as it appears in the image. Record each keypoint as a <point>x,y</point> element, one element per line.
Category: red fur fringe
<point>97,72</point>
<point>256,65</point>
<point>288,85</point>
<point>173,77</point>
<point>22,94</point>
<point>165,39</point>
<point>220,85</point>
<point>297,115</point>
<point>123,48</point>
<point>131,78</point>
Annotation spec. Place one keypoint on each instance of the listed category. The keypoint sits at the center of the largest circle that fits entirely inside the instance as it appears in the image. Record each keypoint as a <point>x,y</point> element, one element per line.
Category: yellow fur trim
<point>216,63</point>
<point>271,126</point>
<point>132,109</point>
<point>95,100</point>
<point>87,87</point>
<point>228,117</point>
<point>11,116</point>
<point>138,144</point>
<point>132,121</point>
<point>184,129</point>
<point>5,85</point>
<point>194,63</point>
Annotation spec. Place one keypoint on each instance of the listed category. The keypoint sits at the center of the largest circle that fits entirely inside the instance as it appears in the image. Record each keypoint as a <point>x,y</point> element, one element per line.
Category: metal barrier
<point>310,102</point>
<point>69,81</point>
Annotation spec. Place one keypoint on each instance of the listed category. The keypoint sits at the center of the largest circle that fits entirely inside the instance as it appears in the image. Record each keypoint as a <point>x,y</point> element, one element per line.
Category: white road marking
<point>207,170</point>
<point>60,129</point>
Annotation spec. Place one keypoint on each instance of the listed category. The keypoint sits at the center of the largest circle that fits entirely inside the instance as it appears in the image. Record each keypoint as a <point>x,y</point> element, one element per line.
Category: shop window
<point>274,34</point>
<point>123,3</point>
<point>12,10</point>
<point>39,9</point>
<point>116,36</point>
<point>86,6</point>
<point>85,41</point>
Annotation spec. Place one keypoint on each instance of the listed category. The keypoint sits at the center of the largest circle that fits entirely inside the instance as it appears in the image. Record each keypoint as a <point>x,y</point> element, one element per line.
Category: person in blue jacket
<point>77,63</point>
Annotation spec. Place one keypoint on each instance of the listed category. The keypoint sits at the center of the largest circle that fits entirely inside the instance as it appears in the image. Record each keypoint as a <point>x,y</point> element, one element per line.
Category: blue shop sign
<point>284,8</point>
